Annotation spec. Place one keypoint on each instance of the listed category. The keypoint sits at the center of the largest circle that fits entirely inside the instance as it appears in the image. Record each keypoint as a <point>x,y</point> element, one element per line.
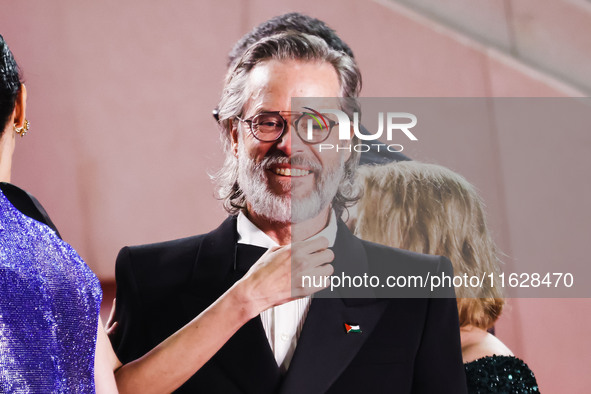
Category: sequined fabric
<point>49,304</point>
<point>500,374</point>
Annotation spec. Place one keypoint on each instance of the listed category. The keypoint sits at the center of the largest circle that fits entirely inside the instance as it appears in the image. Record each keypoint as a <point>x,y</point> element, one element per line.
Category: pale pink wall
<point>120,95</point>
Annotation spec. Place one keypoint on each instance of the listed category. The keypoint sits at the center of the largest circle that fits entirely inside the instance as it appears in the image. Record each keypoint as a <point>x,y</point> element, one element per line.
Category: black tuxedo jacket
<point>406,345</point>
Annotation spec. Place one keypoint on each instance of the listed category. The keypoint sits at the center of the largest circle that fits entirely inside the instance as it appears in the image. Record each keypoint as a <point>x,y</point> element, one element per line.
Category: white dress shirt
<point>283,324</point>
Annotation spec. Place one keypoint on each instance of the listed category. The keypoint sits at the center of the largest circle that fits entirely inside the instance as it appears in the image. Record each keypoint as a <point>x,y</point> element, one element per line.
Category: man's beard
<point>253,182</point>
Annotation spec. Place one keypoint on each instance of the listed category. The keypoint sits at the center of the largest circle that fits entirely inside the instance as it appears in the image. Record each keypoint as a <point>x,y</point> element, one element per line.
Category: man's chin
<point>287,210</point>
<point>305,209</point>
<point>273,209</point>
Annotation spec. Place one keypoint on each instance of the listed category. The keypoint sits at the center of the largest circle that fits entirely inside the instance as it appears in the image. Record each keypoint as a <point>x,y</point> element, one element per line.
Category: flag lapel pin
<point>352,328</point>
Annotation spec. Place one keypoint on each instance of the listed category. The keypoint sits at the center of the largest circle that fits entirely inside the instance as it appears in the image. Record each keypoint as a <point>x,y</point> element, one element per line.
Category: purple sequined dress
<point>49,305</point>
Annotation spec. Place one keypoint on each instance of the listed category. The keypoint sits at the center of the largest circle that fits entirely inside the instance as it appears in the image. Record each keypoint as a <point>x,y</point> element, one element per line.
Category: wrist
<point>243,297</point>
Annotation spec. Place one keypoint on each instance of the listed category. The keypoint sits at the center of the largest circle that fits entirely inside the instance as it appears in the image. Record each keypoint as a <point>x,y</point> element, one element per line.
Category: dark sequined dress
<point>49,305</point>
<point>500,374</point>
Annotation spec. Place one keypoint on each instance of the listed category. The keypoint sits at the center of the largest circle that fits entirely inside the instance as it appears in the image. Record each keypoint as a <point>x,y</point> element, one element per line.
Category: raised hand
<point>277,276</point>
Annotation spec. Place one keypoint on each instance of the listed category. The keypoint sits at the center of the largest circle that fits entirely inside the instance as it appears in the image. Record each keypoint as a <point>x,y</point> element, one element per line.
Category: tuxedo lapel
<point>246,358</point>
<point>325,348</point>
<point>214,262</point>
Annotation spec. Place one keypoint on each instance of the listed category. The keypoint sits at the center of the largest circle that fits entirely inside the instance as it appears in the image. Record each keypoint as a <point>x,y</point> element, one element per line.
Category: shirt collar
<point>250,234</point>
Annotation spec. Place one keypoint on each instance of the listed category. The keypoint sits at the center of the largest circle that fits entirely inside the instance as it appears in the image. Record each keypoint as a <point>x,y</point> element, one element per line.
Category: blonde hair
<point>430,209</point>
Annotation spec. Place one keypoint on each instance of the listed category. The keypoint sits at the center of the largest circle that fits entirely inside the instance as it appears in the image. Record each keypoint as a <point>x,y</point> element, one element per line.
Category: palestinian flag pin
<point>352,328</point>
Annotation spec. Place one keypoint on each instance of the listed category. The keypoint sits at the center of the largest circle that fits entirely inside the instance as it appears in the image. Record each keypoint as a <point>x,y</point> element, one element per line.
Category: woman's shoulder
<point>478,343</point>
<point>500,374</point>
<point>27,204</point>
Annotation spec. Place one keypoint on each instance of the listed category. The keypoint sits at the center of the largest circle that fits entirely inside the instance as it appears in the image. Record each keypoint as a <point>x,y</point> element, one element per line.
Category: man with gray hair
<point>278,188</point>
<point>296,21</point>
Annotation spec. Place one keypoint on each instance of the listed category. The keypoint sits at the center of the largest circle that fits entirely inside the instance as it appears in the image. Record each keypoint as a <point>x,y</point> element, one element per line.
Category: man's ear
<point>20,106</point>
<point>233,126</point>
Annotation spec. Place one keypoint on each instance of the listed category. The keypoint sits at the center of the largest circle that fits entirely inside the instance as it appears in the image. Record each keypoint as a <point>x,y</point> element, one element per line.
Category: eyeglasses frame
<point>331,124</point>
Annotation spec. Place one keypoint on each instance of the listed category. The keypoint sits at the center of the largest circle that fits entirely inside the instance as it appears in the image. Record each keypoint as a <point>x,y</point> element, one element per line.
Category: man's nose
<point>290,142</point>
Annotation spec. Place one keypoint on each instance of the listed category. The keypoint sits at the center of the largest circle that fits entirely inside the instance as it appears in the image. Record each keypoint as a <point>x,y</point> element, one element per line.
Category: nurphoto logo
<point>392,122</point>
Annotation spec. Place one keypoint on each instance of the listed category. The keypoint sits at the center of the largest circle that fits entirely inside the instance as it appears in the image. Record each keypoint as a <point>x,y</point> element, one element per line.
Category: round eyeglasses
<point>270,126</point>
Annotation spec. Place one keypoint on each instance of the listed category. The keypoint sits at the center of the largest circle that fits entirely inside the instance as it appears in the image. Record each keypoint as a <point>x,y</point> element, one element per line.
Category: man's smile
<point>290,172</point>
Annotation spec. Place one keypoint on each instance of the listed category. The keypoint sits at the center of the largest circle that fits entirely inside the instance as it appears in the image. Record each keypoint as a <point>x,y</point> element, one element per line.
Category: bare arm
<point>105,362</point>
<point>267,283</point>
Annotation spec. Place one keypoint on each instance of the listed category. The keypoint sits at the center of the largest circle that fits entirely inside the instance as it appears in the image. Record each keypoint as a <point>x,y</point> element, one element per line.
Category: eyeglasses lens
<point>313,129</point>
<point>268,126</point>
